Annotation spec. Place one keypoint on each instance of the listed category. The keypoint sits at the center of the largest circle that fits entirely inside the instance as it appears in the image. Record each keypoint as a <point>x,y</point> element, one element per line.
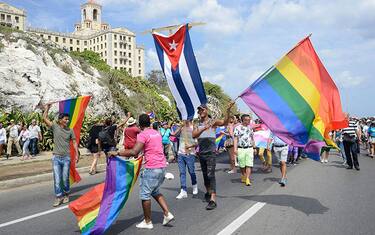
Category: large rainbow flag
<point>97,209</point>
<point>76,109</point>
<point>298,100</point>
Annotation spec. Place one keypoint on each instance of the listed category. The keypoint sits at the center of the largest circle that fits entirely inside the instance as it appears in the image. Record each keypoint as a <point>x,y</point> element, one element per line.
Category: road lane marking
<point>232,227</point>
<point>32,216</point>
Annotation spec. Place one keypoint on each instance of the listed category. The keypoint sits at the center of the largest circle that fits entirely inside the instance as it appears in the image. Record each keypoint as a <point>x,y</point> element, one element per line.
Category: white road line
<point>32,216</point>
<point>232,227</point>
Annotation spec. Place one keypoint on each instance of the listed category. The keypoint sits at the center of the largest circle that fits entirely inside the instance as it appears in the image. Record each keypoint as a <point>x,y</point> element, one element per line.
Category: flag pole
<point>170,28</point>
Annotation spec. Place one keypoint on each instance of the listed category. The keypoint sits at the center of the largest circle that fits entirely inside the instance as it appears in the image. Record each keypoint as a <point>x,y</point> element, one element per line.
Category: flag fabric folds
<point>177,60</point>
<point>76,109</point>
<point>97,209</point>
<point>298,100</point>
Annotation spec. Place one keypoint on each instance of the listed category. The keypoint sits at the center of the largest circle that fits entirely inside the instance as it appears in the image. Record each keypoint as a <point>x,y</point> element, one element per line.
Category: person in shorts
<point>243,148</point>
<point>281,152</point>
<point>152,176</point>
<point>93,145</point>
<point>371,135</point>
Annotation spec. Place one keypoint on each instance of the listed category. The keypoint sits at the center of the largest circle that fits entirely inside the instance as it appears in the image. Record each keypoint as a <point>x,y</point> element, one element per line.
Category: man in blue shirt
<point>165,132</point>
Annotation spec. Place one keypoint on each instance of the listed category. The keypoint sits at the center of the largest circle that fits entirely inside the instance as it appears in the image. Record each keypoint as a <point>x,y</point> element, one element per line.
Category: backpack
<point>105,137</point>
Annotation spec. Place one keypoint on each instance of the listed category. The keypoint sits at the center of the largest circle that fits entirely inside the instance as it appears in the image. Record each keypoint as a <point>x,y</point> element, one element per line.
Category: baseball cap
<point>203,106</point>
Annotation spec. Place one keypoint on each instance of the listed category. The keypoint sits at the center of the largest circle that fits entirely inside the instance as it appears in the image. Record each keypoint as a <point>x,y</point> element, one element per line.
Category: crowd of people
<point>24,138</point>
<point>185,143</point>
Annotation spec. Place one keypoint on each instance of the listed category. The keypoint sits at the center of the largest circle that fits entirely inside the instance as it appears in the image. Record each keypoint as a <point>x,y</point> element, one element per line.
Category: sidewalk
<point>15,173</point>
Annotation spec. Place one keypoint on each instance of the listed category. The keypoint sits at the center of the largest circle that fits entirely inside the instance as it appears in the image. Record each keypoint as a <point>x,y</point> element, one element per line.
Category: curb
<point>13,183</point>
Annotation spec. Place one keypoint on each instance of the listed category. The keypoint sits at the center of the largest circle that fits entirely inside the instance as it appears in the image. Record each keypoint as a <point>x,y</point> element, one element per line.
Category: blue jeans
<point>34,146</point>
<point>61,167</point>
<point>340,144</point>
<point>150,182</point>
<point>25,147</point>
<point>183,161</point>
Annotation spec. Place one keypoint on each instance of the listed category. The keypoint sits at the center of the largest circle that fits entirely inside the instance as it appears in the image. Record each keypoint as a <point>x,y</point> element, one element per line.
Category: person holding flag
<point>204,131</point>
<point>62,135</point>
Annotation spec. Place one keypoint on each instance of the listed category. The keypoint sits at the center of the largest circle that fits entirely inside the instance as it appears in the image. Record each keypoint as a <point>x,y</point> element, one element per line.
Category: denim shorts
<point>150,182</point>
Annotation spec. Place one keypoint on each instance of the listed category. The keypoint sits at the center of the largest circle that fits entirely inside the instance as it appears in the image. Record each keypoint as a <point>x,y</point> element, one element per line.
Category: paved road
<point>319,199</point>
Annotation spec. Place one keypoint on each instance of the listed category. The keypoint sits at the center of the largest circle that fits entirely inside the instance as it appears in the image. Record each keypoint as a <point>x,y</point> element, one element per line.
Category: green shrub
<point>93,59</point>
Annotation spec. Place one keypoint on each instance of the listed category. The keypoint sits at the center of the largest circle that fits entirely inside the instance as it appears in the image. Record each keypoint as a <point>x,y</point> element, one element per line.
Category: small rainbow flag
<point>298,100</point>
<point>220,137</point>
<point>97,209</point>
<point>76,109</point>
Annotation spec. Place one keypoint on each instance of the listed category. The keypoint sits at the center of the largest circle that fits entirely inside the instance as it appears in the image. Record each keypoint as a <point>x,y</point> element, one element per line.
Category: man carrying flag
<point>62,135</point>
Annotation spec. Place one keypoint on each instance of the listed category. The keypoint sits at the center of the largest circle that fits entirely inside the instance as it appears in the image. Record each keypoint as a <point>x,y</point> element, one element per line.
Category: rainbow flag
<point>220,137</point>
<point>298,100</point>
<point>76,109</point>
<point>97,209</point>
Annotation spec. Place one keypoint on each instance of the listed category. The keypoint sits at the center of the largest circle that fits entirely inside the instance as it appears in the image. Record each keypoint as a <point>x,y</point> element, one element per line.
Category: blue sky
<point>244,38</point>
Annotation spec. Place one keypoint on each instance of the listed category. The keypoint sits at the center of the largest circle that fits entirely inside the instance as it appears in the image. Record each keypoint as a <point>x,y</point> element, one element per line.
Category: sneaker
<point>57,202</point>
<point>183,194</point>
<point>326,160</point>
<point>344,163</point>
<point>322,161</point>
<point>195,189</point>
<point>65,199</point>
<point>211,205</point>
<point>145,225</point>
<point>168,218</point>
<point>283,182</point>
<point>207,197</point>
<point>231,172</point>
<point>247,182</point>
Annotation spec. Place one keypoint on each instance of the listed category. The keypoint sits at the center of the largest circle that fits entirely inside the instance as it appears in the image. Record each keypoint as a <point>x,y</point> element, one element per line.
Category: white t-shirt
<point>24,135</point>
<point>34,131</point>
<point>13,131</point>
<point>3,134</point>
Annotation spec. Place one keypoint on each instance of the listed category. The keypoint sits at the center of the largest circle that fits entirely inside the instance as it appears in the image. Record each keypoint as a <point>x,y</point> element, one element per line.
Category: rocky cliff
<point>34,71</point>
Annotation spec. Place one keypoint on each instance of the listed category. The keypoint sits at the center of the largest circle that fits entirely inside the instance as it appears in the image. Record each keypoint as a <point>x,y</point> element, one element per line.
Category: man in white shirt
<point>3,138</point>
<point>35,136</point>
<point>13,138</point>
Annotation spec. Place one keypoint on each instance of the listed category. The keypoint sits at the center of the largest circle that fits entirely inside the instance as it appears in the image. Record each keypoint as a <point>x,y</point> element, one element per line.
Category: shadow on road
<point>306,205</point>
<point>271,179</point>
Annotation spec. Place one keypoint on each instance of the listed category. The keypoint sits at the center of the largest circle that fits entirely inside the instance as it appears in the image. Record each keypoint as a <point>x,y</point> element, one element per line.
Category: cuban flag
<point>180,68</point>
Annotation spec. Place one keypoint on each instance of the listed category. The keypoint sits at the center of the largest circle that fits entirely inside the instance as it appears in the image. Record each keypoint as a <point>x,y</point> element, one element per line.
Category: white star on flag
<point>173,45</point>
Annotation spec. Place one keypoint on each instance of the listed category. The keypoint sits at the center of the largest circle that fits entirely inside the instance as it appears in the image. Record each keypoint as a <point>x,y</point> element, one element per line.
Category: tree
<point>157,77</point>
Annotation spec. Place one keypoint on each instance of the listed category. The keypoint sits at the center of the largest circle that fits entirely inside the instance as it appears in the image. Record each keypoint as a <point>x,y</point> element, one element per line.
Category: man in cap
<point>204,131</point>
<point>13,138</point>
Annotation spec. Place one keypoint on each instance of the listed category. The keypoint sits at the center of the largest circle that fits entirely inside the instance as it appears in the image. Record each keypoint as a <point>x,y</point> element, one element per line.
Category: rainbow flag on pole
<point>76,109</point>
<point>298,100</point>
<point>97,209</point>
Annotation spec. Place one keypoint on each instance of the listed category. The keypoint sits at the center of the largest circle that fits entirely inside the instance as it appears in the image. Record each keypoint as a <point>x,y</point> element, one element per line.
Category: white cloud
<point>347,80</point>
<point>220,19</point>
<point>152,60</point>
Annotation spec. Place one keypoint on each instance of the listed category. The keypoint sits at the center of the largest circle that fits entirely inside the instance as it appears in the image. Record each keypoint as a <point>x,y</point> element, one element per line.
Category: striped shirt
<point>351,130</point>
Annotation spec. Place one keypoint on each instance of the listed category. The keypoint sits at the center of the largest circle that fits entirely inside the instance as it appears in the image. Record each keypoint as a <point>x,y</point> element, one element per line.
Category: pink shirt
<point>153,148</point>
